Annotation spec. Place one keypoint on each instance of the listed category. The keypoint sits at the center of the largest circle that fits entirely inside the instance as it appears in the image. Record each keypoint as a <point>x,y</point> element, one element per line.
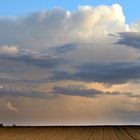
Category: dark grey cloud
<point>109,73</point>
<point>131,39</point>
<point>48,63</point>
<point>32,57</point>
<point>77,91</point>
<point>112,73</point>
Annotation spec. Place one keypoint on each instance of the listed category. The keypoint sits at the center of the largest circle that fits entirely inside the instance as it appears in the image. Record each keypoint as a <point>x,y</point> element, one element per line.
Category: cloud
<point>43,52</point>
<point>65,48</point>
<point>104,51</point>
<point>58,26</point>
<point>11,107</point>
<point>75,91</point>
<point>135,26</point>
<point>14,53</point>
<point>80,91</point>
<point>16,92</point>
<point>112,73</point>
<point>131,39</point>
<point>5,49</point>
<point>1,86</point>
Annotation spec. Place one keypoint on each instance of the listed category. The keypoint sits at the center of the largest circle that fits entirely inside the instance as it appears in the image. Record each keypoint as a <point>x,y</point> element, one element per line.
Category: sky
<point>22,7</point>
<point>74,63</point>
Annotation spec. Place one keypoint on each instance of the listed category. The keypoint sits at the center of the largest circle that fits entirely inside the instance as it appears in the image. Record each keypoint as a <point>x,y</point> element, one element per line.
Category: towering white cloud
<point>58,26</point>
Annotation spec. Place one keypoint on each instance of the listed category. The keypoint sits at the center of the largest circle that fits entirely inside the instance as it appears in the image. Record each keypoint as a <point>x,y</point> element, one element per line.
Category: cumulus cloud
<point>58,26</point>
<point>135,26</point>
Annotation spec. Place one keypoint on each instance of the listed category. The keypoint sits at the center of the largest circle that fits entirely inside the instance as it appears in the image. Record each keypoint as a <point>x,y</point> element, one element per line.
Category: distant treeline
<point>14,125</point>
<point>1,125</point>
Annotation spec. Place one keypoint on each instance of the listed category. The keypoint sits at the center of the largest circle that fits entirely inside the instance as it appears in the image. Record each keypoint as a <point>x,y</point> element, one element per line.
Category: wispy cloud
<point>11,107</point>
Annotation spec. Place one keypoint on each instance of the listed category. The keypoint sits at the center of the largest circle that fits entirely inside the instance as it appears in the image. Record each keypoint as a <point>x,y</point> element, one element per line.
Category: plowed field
<point>71,133</point>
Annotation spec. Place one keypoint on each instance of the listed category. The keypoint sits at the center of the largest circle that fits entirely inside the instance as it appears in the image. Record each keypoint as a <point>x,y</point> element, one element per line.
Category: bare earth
<point>71,133</point>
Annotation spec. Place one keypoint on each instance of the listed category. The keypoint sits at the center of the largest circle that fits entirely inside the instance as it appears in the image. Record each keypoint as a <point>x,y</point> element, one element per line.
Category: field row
<point>71,133</point>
